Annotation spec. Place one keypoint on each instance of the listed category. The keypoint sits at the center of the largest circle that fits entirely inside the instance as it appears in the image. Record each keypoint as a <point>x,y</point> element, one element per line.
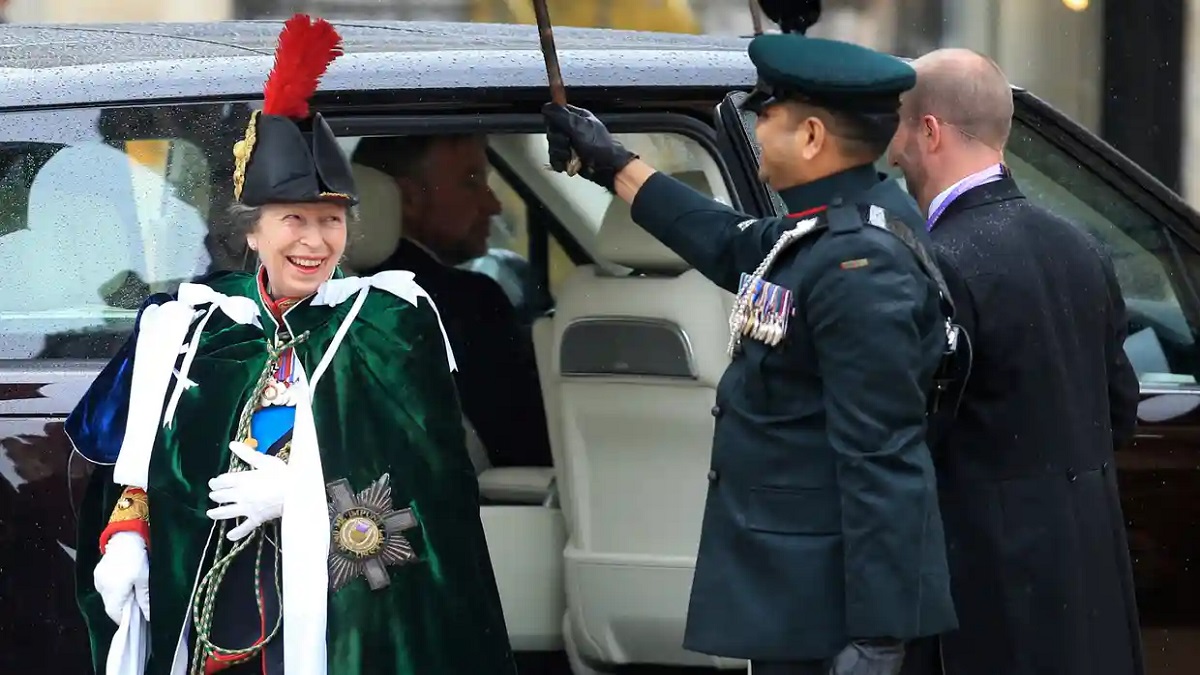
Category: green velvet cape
<point>386,405</point>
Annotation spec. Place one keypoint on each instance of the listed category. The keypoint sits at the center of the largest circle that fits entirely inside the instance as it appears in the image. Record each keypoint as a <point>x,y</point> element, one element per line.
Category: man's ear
<point>813,137</point>
<point>931,131</point>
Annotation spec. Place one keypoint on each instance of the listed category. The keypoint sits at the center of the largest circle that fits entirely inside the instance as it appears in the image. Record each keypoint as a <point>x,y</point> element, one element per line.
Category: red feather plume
<point>306,48</point>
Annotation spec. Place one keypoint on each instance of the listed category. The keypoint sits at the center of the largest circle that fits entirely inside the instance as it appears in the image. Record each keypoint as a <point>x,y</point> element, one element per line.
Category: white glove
<point>255,495</point>
<point>123,570</point>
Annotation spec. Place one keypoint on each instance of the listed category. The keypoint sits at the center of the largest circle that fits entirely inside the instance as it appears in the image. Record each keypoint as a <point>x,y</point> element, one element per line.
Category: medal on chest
<point>762,309</point>
<point>277,390</point>
<point>769,306</point>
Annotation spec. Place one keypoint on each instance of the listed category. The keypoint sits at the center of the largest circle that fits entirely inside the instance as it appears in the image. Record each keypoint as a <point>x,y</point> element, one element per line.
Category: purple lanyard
<point>969,183</point>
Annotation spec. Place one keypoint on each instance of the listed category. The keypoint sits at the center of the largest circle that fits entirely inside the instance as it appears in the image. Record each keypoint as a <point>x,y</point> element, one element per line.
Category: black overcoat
<point>1028,485</point>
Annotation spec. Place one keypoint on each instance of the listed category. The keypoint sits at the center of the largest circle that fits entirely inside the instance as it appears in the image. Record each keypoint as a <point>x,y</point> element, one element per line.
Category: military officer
<point>822,547</point>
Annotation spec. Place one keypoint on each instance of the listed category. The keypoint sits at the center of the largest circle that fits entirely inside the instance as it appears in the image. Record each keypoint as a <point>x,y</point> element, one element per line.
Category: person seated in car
<point>447,212</point>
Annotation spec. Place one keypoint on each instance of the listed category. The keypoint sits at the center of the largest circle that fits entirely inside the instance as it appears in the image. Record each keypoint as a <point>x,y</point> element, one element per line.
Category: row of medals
<point>766,318</point>
<point>278,391</point>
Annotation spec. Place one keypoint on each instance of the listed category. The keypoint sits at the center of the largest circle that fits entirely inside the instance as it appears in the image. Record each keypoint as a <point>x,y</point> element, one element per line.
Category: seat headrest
<point>380,213</point>
<point>622,241</point>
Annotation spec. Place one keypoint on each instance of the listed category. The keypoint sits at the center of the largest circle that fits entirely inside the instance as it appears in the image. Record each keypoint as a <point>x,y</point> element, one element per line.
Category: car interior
<point>595,555</point>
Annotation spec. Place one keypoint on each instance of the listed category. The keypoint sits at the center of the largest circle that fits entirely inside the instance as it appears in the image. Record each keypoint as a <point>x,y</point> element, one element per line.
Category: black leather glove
<point>869,657</point>
<point>569,128</point>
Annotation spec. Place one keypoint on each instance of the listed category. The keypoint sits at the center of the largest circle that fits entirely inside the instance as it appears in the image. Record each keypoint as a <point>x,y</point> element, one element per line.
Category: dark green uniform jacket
<point>822,522</point>
<point>387,405</point>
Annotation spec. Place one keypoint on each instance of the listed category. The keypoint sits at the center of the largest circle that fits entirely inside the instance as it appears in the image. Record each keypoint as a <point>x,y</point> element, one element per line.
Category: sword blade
<point>756,17</point>
<point>558,93</point>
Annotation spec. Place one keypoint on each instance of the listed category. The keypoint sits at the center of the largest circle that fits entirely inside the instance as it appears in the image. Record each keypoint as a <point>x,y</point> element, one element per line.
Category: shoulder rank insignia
<point>744,224</point>
<point>762,309</point>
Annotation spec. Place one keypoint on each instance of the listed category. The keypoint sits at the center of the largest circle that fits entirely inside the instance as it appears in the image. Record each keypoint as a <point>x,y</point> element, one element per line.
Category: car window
<point>515,242</point>
<point>530,261</point>
<point>508,259</point>
<point>511,258</point>
<point>1147,257</point>
<point>1161,343</point>
<point>100,208</point>
<point>579,204</point>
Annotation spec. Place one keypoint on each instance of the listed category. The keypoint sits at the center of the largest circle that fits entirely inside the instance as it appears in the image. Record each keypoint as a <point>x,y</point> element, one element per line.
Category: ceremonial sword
<point>558,92</point>
<point>756,17</point>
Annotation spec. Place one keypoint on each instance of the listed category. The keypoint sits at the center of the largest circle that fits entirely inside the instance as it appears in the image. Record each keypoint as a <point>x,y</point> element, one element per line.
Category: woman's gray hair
<point>243,218</point>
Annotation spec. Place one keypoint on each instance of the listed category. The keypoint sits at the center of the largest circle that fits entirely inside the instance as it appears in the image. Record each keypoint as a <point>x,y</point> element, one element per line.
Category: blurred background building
<point>1118,67</point>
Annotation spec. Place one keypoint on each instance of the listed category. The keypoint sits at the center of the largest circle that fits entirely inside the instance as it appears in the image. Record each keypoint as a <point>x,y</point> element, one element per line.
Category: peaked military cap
<point>289,154</point>
<point>827,73</point>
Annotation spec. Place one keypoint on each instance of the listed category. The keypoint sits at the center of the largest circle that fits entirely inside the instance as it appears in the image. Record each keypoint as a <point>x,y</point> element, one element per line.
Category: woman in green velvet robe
<point>281,469</point>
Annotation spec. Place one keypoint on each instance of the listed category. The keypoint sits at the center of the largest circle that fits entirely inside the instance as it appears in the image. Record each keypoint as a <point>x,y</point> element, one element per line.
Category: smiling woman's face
<point>299,245</point>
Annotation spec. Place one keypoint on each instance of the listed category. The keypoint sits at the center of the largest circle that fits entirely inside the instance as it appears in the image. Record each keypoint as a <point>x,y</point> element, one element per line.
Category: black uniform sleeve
<point>1124,391</point>
<point>715,239</point>
<point>868,339</point>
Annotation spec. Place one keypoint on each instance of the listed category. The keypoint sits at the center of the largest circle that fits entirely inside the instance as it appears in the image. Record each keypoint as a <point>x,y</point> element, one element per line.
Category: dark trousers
<point>921,657</point>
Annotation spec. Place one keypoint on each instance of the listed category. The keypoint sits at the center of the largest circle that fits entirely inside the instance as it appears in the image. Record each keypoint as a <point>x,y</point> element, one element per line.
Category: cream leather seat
<point>380,217</point>
<point>635,363</point>
<point>543,346</point>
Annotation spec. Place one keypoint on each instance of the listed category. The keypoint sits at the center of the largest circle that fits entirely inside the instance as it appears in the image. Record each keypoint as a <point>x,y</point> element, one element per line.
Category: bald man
<point>1036,541</point>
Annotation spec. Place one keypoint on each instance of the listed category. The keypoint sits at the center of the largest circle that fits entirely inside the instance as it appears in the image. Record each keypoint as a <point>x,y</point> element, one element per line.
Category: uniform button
<point>712,475</point>
<point>716,411</point>
<point>1071,476</point>
<point>837,201</point>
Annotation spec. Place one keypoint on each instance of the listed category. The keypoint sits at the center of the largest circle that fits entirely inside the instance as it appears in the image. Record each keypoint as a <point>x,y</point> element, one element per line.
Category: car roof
<point>79,64</point>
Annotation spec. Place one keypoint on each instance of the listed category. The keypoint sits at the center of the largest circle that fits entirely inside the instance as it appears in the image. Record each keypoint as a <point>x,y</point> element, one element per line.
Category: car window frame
<point>541,227</point>
<point>1109,164</point>
<point>1120,173</point>
<point>68,136</point>
<point>665,117</point>
<point>642,122</point>
<point>1131,181</point>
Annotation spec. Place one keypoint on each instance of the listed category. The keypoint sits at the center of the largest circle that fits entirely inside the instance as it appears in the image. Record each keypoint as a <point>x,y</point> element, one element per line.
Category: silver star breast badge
<point>367,533</point>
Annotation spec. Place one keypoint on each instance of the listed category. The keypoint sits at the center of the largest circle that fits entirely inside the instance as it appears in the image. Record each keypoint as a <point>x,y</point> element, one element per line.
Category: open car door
<point>736,141</point>
<point>1154,239</point>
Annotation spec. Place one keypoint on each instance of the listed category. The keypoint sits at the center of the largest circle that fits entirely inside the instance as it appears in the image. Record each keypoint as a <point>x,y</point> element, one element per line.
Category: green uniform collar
<point>844,184</point>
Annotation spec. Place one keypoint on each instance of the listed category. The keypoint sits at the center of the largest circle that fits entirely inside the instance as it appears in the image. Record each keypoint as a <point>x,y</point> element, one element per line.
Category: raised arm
<point>715,239</point>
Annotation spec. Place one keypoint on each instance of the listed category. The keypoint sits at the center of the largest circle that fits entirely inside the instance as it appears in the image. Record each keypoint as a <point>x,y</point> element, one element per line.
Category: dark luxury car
<point>115,175</point>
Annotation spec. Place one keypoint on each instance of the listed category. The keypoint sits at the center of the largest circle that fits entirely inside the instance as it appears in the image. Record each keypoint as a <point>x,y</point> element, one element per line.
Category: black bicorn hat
<point>289,154</point>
